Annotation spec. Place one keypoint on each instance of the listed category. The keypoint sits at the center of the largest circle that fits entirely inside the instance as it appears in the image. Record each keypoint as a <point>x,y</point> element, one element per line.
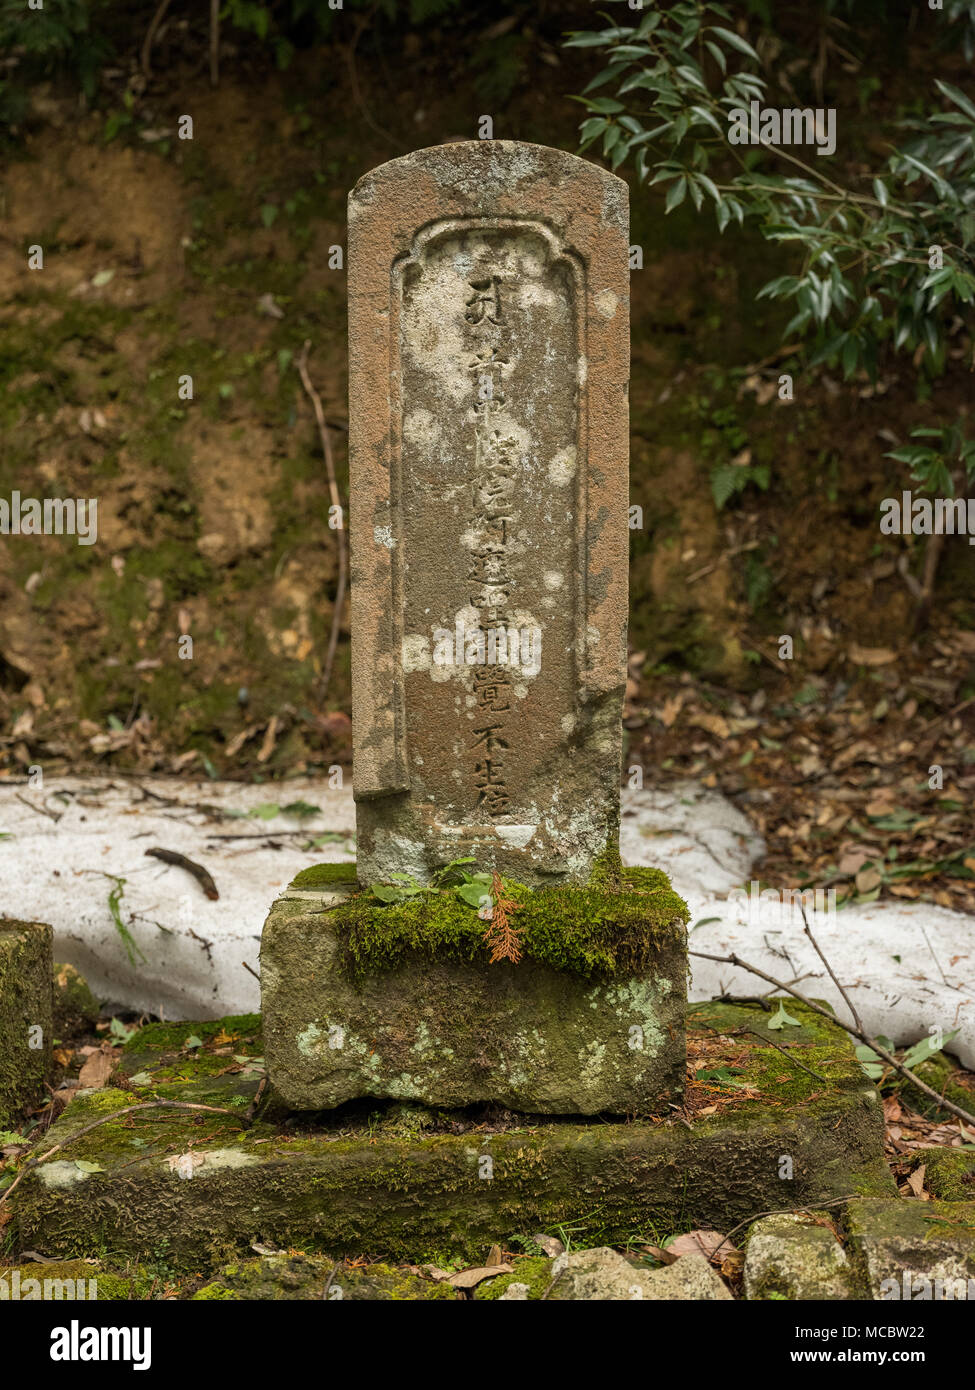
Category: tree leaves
<point>891,265</point>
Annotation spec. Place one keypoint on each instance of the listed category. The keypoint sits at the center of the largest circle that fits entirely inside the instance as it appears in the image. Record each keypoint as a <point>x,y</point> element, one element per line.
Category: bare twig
<point>932,557</point>
<point>333,489</point>
<point>854,1031</point>
<point>116,1114</point>
<point>251,971</point>
<point>786,1053</point>
<point>150,37</point>
<point>251,1110</point>
<point>357,96</point>
<point>832,974</point>
<point>203,878</point>
<point>40,810</point>
<point>785,1211</point>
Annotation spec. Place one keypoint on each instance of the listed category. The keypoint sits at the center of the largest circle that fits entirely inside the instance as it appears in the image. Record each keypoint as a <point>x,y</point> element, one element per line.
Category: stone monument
<point>489,362</point>
<point>489,358</point>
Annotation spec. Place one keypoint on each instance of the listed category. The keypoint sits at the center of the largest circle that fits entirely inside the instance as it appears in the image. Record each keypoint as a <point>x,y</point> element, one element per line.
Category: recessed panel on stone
<point>488,429</point>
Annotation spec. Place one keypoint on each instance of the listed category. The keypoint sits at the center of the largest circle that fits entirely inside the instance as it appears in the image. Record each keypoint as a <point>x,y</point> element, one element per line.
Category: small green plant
<point>454,878</point>
<point>936,467</point>
<point>61,37</point>
<point>781,1019</point>
<point>115,895</point>
<point>922,1051</point>
<point>120,1032</point>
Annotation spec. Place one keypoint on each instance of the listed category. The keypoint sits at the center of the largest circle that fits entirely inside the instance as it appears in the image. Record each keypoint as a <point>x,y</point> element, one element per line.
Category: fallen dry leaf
<point>714,724</point>
<point>699,1243</point>
<point>867,879</point>
<point>470,1278</point>
<point>656,1252</point>
<point>915,1181</point>
<point>870,656</point>
<point>97,1069</point>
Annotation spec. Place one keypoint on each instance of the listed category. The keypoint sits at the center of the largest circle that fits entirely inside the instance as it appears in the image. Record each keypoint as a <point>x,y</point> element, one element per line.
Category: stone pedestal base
<point>407,1184</point>
<point>444,1027</point>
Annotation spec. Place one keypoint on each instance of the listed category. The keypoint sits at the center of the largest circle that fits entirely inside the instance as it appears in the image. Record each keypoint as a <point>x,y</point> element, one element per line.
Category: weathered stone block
<point>444,1027</point>
<point>26,965</point>
<point>792,1256</point>
<point>429,1185</point>
<point>290,1277</point>
<point>913,1250</point>
<point>603,1273</point>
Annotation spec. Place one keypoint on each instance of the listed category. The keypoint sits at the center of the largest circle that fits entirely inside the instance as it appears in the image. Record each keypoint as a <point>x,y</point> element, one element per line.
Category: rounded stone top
<point>479,172</point>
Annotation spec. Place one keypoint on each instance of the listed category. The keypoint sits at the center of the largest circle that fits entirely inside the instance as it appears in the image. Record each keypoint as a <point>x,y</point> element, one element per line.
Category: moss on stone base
<point>325,876</point>
<point>75,1007</point>
<point>949,1173</point>
<point>944,1075</point>
<point>535,1273</point>
<point>598,929</point>
<point>616,923</point>
<point>341,1184</point>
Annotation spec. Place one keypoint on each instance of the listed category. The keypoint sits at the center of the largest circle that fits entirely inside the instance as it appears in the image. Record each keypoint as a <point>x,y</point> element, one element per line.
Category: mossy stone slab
<point>415,1186</point>
<point>26,1019</point>
<point>289,1276</point>
<point>72,1281</point>
<point>440,1025</point>
<point>949,1173</point>
<point>913,1250</point>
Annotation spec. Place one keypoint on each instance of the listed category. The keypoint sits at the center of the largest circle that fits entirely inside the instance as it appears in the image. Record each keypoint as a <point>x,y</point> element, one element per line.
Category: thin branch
<point>786,1053</point>
<point>832,974</point>
<point>150,37</point>
<point>125,1110</point>
<point>202,876</point>
<point>854,1031</point>
<point>785,1211</point>
<point>357,96</point>
<point>333,489</point>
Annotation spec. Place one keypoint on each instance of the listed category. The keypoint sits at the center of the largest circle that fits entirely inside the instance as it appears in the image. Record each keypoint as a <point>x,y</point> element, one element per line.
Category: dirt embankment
<point>214,259</point>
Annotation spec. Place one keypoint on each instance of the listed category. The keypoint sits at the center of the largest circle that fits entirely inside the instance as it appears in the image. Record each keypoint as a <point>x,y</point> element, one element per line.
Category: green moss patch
<point>943,1074</point>
<point>535,1272</point>
<point>291,1276</point>
<point>75,1280</point>
<point>949,1173</point>
<point>325,876</point>
<point>220,1062</point>
<point>600,928</point>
